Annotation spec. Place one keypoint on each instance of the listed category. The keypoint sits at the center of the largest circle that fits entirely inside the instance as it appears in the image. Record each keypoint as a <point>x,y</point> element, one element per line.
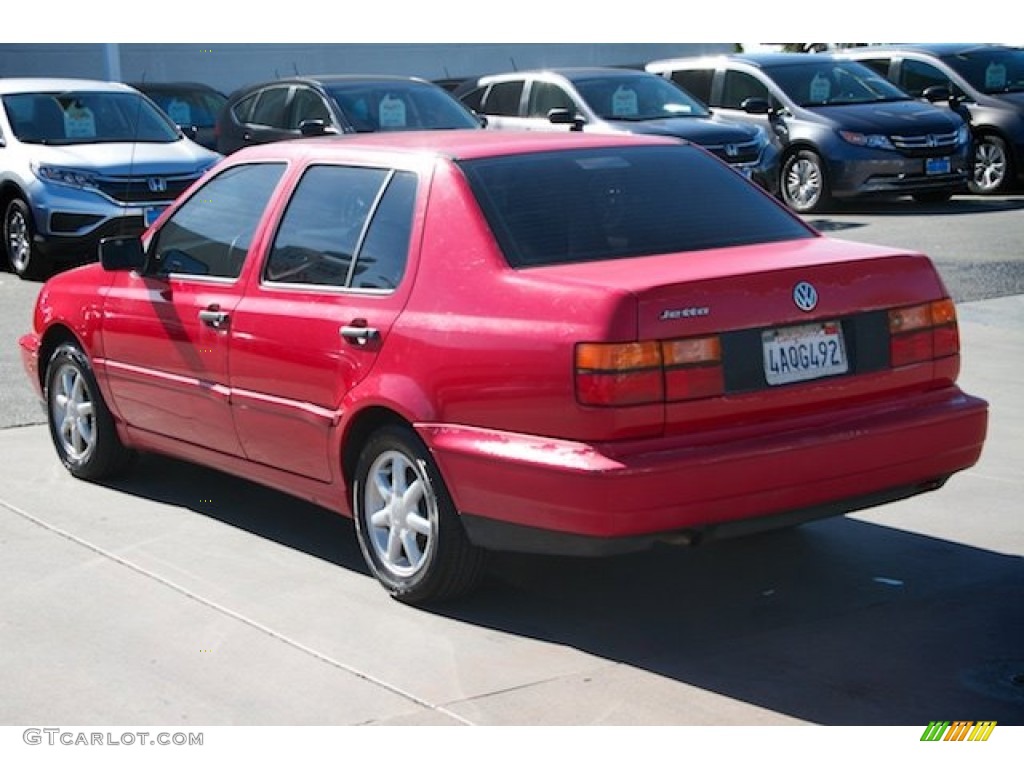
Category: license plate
<point>803,352</point>
<point>152,213</point>
<point>936,165</point>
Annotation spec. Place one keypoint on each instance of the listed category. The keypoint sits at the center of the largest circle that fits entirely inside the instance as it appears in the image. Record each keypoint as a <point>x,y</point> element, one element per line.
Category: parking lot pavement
<point>182,596</point>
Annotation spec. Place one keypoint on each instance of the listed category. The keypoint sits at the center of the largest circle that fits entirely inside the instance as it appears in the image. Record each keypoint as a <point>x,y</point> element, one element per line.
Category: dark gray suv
<point>843,130</point>
<point>986,83</point>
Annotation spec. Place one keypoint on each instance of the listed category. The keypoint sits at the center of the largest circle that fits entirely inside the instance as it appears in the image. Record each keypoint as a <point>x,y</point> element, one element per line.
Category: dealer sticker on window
<point>804,352</point>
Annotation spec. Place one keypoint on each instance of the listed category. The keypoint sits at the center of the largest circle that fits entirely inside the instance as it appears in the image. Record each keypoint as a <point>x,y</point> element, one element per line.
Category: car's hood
<point>1016,98</point>
<point>699,130</point>
<point>890,117</point>
<point>124,159</point>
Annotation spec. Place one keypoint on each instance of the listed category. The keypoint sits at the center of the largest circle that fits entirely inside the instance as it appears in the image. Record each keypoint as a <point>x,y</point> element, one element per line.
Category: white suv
<point>81,160</point>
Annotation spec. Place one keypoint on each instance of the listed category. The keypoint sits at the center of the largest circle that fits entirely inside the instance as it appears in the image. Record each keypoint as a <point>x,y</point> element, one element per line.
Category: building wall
<point>230,66</point>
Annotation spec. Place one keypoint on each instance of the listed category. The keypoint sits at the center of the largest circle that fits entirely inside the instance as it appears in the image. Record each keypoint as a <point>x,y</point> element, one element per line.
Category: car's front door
<point>166,334</point>
<point>311,327</point>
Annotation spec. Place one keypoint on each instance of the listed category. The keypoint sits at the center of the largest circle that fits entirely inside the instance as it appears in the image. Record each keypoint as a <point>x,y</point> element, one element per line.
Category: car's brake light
<point>648,372</point>
<point>923,332</point>
<point>693,368</point>
<point>619,374</point>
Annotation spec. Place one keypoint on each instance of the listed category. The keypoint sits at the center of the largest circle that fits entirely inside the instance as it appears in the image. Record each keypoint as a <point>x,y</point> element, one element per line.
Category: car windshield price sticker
<point>995,77</point>
<point>79,122</point>
<point>391,112</point>
<point>624,102</point>
<point>821,89</point>
<point>803,352</point>
<point>179,112</point>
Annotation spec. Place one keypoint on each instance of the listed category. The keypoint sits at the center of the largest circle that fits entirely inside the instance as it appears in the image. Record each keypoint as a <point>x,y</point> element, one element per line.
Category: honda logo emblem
<point>805,296</point>
<point>932,141</point>
<point>731,150</point>
<point>157,184</point>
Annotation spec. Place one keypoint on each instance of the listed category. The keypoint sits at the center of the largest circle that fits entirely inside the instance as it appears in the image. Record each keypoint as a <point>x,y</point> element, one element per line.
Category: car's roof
<point>459,144</point>
<point>49,84</point>
<point>936,49</point>
<point>759,60</point>
<point>327,80</point>
<point>176,85</point>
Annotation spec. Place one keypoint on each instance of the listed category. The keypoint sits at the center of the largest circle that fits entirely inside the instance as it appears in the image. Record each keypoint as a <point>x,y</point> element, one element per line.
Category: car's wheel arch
<point>357,430</point>
<point>53,337</point>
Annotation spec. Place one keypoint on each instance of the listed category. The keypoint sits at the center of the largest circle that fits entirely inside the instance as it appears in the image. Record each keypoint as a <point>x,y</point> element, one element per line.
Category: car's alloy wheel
<point>991,166</point>
<point>81,425</point>
<point>18,240</point>
<point>804,187</point>
<point>408,529</point>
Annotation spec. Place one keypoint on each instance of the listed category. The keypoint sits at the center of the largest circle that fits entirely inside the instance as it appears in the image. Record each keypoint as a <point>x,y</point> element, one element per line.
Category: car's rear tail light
<point>923,332</point>
<point>648,372</point>
<point>693,368</point>
<point>619,374</point>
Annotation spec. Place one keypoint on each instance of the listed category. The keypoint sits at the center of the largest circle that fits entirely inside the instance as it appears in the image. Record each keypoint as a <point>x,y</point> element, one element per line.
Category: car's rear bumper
<point>528,493</point>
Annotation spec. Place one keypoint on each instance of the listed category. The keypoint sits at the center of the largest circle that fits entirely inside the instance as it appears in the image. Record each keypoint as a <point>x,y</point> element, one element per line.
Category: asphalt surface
<point>179,595</point>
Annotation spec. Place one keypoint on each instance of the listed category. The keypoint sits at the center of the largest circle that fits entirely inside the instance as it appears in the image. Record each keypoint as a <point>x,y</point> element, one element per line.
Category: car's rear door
<point>166,335</point>
<point>311,328</point>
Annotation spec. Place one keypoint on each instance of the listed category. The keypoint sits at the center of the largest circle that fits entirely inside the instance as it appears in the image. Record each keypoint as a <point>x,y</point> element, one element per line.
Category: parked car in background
<point>541,342</point>
<point>335,104</point>
<point>193,106</point>
<point>81,160</point>
<point>986,82</point>
<point>844,131</point>
<point>609,100</point>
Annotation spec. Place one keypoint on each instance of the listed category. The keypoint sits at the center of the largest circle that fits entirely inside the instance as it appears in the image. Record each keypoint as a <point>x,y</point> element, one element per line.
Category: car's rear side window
<point>503,99</point>
<point>345,227</point>
<point>594,204</point>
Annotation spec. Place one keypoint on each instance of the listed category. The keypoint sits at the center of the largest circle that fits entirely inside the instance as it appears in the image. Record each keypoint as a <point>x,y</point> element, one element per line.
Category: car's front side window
<point>211,232</point>
<point>545,97</point>
<point>503,99</point>
<point>345,227</point>
<point>270,108</point>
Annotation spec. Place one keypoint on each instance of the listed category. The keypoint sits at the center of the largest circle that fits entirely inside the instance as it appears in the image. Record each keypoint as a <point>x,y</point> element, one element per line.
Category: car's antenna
<point>513,60</point>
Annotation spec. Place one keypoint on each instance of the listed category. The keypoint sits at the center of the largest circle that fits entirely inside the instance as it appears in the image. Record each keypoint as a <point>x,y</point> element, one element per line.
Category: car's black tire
<point>408,529</point>
<point>992,170</point>
<point>81,425</point>
<point>22,254</point>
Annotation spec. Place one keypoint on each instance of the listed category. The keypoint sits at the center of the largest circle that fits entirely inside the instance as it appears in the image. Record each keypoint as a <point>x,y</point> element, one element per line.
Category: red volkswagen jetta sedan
<point>475,341</point>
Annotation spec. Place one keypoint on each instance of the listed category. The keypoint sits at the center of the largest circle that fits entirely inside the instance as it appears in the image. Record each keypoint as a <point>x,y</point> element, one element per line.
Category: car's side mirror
<point>316,128</point>
<point>936,93</point>
<point>190,131</point>
<point>122,254</point>
<point>755,105</point>
<point>566,117</point>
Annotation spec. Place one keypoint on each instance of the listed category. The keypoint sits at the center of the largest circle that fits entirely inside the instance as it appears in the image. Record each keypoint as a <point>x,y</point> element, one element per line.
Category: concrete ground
<point>182,597</point>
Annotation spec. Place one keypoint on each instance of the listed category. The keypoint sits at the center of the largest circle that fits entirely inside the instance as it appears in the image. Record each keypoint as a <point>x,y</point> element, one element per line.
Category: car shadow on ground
<point>959,205</point>
<point>840,622</point>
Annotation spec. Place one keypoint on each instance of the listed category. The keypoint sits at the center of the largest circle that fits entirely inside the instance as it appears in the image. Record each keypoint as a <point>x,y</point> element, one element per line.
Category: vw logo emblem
<point>157,184</point>
<point>805,296</point>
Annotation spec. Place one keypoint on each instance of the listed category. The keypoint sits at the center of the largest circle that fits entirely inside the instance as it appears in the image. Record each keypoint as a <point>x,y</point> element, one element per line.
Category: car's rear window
<point>610,203</point>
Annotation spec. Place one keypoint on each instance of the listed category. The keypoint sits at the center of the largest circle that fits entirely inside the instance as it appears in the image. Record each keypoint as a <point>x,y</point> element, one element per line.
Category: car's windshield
<point>397,106</point>
<point>198,108</point>
<point>86,117</point>
<point>638,96</point>
<point>620,202</point>
<point>991,71</point>
<point>817,82</point>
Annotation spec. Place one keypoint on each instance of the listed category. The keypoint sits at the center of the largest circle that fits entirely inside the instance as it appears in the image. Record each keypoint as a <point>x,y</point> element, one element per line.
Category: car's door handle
<point>359,334</point>
<point>213,317</point>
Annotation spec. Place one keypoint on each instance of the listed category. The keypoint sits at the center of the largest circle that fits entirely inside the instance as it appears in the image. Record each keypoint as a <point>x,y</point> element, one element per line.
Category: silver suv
<point>81,160</point>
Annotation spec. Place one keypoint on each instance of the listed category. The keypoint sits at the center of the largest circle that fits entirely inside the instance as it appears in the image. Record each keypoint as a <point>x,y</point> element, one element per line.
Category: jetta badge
<point>805,296</point>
